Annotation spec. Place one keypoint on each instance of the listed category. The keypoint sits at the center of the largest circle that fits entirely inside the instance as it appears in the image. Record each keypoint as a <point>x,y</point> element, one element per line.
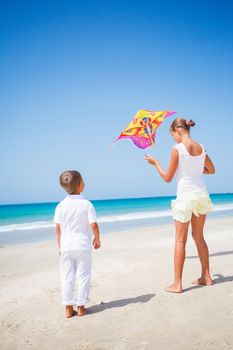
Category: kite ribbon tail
<point>117,139</point>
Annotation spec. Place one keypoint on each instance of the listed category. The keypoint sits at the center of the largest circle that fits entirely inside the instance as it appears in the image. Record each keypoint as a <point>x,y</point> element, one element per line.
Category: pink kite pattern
<point>142,129</point>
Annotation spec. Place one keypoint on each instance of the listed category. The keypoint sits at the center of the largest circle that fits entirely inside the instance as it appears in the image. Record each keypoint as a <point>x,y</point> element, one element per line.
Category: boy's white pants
<point>75,268</point>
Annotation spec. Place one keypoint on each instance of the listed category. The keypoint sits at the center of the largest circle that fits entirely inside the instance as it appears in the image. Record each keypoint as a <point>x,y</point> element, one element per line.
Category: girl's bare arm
<point>209,166</point>
<point>169,174</point>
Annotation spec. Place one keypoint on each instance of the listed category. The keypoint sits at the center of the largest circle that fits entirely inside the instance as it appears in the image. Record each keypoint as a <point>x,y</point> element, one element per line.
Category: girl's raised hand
<point>150,159</point>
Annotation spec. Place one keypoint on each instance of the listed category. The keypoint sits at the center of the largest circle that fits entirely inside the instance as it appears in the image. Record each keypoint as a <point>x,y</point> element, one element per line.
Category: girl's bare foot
<point>69,311</point>
<point>203,281</point>
<point>81,311</point>
<point>174,288</point>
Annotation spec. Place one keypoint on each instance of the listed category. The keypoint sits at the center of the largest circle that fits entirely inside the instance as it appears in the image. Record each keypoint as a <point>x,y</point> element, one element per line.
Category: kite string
<point>164,150</point>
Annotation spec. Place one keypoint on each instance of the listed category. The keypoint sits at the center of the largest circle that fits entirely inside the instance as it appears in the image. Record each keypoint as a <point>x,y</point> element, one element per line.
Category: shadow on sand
<point>214,254</point>
<point>220,279</point>
<point>120,303</point>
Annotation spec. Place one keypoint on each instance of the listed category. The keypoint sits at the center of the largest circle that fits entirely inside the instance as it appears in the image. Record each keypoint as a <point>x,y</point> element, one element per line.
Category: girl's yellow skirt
<point>191,202</point>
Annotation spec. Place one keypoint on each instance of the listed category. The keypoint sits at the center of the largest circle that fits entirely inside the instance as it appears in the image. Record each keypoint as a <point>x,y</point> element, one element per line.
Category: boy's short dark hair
<point>69,180</point>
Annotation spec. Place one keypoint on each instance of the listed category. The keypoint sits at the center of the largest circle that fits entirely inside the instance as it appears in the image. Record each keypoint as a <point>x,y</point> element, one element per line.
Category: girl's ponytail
<point>181,123</point>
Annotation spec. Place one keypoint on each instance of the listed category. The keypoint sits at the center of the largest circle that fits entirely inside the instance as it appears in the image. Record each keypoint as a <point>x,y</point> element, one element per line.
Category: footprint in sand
<point>9,325</point>
<point>27,344</point>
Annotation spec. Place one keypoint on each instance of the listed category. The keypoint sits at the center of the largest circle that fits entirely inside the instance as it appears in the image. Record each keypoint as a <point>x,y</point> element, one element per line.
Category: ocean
<point>24,223</point>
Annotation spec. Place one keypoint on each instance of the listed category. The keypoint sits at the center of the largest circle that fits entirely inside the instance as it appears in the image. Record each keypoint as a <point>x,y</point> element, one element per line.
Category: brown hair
<point>181,123</point>
<point>69,180</point>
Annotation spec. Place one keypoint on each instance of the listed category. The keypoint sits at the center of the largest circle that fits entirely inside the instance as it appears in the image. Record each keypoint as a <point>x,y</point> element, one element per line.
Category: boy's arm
<point>96,233</point>
<point>58,236</point>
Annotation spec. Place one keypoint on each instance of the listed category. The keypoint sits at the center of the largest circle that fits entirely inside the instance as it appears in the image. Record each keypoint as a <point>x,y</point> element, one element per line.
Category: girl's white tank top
<point>189,175</point>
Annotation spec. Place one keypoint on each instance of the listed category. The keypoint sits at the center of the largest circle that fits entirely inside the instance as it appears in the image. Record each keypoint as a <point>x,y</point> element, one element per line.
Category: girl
<point>190,161</point>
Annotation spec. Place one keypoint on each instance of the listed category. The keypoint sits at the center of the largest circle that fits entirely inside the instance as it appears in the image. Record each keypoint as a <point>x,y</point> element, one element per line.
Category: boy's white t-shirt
<point>75,214</point>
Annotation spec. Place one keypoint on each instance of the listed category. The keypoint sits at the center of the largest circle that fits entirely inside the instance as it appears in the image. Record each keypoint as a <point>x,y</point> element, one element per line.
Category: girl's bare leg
<point>202,248</point>
<point>179,256</point>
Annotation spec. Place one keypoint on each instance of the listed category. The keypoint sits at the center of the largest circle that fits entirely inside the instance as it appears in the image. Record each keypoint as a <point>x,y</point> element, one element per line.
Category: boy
<point>74,217</point>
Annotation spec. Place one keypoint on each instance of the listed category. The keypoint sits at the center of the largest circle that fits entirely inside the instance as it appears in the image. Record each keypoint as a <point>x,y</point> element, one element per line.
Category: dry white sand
<point>129,308</point>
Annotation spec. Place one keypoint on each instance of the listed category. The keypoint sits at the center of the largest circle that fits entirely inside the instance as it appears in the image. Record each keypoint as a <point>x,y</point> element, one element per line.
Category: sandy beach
<point>129,308</point>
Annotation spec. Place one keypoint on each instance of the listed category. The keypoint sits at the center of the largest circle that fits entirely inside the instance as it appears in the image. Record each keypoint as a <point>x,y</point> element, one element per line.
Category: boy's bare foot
<point>173,288</point>
<point>69,311</point>
<point>81,311</point>
<point>203,281</point>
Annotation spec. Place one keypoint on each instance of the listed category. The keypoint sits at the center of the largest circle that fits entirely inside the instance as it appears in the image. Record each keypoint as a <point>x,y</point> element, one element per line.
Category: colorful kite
<point>142,128</point>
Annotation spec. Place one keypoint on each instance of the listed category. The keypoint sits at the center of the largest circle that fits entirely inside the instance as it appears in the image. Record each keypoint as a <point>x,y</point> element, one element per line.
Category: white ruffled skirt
<point>191,202</point>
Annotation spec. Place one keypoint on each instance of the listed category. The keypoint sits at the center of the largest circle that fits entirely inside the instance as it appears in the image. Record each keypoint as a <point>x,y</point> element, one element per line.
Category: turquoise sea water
<point>34,222</point>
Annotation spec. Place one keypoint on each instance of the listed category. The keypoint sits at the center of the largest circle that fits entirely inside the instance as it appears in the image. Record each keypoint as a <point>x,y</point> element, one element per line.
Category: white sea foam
<point>221,207</point>
<point>104,219</point>
<point>27,226</point>
<point>101,219</point>
<point>135,216</point>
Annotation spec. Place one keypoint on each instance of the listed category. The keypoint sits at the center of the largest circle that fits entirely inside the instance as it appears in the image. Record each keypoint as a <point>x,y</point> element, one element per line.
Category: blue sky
<point>73,74</point>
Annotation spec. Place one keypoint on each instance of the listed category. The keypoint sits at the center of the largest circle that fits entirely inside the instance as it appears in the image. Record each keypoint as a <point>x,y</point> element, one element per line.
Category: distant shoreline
<point>34,222</point>
<point>48,233</point>
<point>109,199</point>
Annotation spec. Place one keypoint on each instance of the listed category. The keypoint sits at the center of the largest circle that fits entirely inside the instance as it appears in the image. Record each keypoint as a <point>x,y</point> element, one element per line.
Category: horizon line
<point>105,199</point>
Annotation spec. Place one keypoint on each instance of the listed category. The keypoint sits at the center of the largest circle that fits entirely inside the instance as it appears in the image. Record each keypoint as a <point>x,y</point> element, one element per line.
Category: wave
<point>221,207</point>
<point>105,219</point>
<point>27,226</point>
<point>101,219</point>
<point>135,216</point>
